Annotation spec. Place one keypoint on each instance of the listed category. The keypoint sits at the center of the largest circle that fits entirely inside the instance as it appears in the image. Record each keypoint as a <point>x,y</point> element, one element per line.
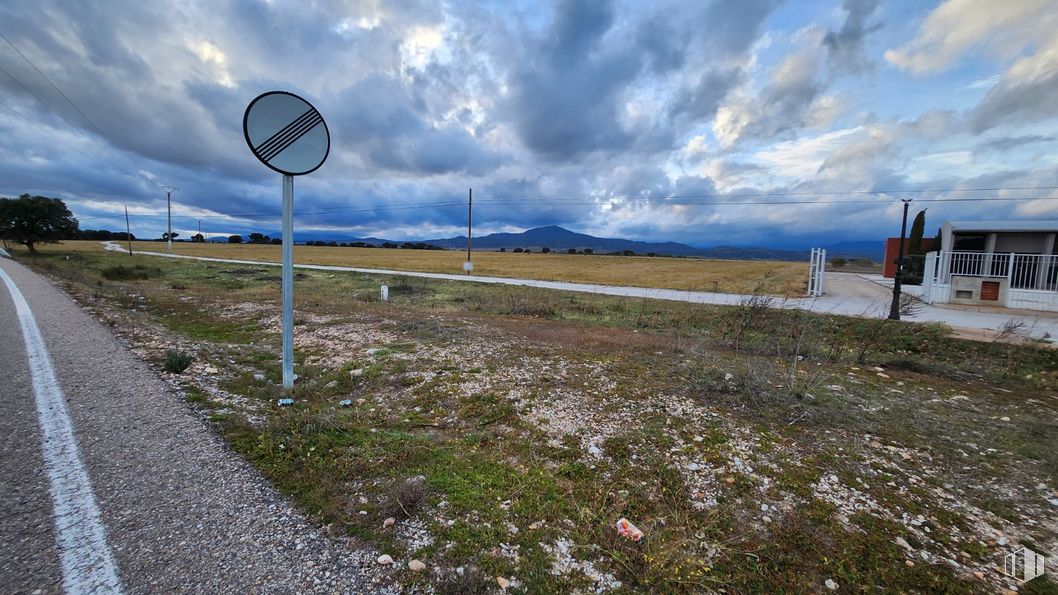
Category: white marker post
<point>289,136</point>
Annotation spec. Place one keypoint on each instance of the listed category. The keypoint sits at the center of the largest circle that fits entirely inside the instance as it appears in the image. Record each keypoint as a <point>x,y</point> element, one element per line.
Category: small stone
<point>1004,419</point>
<point>900,541</point>
<point>345,403</point>
<point>363,513</point>
<point>594,450</point>
<point>536,525</point>
<point>385,560</point>
<point>373,351</point>
<point>416,566</point>
<point>729,480</point>
<point>833,586</point>
<point>692,466</point>
<point>883,375</point>
<point>502,582</point>
<point>356,373</point>
<point>259,377</point>
<point>765,519</point>
<point>909,563</point>
<point>388,522</point>
<point>979,574</point>
<point>728,376</point>
<point>460,570</point>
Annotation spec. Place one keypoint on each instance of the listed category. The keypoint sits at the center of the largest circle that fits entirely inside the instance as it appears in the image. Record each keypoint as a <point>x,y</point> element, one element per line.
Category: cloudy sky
<point>691,121</point>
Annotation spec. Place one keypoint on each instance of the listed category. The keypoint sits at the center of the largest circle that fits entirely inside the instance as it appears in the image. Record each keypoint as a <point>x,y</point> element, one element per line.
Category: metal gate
<point>816,271</point>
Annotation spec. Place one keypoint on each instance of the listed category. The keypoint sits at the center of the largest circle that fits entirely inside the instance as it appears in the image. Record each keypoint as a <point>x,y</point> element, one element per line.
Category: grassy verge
<point>506,430</point>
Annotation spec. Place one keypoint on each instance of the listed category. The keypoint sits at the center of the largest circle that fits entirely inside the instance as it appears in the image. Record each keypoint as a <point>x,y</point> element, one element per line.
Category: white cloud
<point>957,27</point>
<point>802,158</point>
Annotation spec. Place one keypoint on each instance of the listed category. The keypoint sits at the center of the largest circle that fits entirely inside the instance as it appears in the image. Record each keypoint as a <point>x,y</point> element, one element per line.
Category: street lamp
<point>169,203</point>
<point>894,309</point>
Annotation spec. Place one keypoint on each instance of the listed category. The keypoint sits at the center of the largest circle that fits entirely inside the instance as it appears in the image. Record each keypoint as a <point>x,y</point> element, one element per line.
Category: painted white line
<point>87,564</point>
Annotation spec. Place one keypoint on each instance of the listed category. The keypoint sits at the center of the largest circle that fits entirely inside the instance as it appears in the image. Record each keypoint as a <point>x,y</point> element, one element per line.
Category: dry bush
<point>405,498</point>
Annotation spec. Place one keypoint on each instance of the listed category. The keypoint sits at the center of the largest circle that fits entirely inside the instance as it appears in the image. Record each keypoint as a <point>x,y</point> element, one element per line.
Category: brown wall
<point>892,247</point>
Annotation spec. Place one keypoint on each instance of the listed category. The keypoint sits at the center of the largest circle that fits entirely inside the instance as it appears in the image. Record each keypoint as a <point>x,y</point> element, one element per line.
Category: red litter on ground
<point>626,529</point>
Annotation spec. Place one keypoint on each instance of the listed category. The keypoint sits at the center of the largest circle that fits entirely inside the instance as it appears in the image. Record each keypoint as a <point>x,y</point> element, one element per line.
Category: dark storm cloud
<point>565,97</point>
<point>732,26</point>
<point>702,101</point>
<point>1020,99</point>
<point>385,123</point>
<point>845,46</point>
<point>1008,143</point>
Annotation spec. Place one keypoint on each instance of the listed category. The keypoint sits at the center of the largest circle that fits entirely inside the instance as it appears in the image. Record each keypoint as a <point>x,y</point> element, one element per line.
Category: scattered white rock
<point>356,373</point>
<point>373,351</point>
<point>502,582</point>
<point>388,522</point>
<point>385,560</point>
<point>259,377</point>
<point>833,586</point>
<point>1004,418</point>
<point>900,541</point>
<point>594,450</point>
<point>728,376</point>
<point>416,566</point>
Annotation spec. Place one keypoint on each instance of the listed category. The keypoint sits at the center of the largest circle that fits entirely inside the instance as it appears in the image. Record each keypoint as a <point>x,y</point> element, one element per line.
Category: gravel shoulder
<point>183,512</point>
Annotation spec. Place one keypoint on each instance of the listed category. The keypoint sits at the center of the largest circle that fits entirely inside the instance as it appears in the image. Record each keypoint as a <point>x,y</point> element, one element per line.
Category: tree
<point>546,250</point>
<point>916,264</point>
<point>572,251</point>
<point>31,220</point>
<point>198,238</point>
<point>166,236</point>
<point>918,226</point>
<point>258,238</point>
<point>234,239</point>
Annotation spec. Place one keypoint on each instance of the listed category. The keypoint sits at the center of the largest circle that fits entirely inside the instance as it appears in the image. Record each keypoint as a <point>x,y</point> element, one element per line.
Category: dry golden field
<point>727,276</point>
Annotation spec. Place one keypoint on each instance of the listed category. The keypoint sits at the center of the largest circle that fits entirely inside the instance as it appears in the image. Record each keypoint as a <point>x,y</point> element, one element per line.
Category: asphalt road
<point>175,510</point>
<point>847,294</point>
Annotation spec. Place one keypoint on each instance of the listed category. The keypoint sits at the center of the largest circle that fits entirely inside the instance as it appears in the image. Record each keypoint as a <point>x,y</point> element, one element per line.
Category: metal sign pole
<point>288,282</point>
<point>289,136</point>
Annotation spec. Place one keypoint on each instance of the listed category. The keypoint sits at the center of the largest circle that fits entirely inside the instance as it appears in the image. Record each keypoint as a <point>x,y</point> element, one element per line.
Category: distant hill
<point>560,239</point>
<point>874,250</point>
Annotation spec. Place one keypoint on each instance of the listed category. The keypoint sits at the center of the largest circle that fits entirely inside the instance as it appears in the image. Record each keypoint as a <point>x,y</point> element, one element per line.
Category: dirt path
<point>178,511</point>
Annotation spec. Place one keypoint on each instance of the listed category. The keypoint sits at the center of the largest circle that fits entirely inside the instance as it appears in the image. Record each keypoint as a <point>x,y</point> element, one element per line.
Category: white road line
<point>87,564</point>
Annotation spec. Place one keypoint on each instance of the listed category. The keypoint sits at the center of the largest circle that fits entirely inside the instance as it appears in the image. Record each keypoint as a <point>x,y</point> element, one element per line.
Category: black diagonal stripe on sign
<point>287,139</point>
<point>293,137</point>
<point>282,131</point>
<point>282,142</point>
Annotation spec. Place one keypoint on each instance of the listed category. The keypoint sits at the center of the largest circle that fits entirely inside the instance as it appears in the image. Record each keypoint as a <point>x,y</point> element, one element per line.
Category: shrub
<point>176,361</point>
<point>124,273</point>
<point>838,262</point>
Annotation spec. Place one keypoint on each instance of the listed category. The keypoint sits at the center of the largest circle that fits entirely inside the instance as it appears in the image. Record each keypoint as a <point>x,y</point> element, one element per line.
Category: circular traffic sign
<point>286,133</point>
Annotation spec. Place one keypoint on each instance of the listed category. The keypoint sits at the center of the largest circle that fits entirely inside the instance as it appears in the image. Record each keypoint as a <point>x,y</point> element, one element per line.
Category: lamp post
<point>169,206</point>
<point>894,309</point>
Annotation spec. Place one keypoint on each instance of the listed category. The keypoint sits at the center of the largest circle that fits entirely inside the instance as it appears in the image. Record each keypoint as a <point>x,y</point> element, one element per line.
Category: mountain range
<point>560,239</point>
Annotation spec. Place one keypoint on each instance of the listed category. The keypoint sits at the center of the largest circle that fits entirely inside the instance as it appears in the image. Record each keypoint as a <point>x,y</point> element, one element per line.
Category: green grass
<point>422,408</point>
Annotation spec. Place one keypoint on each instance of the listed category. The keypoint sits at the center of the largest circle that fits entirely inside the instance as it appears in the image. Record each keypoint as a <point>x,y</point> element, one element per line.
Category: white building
<point>1013,264</point>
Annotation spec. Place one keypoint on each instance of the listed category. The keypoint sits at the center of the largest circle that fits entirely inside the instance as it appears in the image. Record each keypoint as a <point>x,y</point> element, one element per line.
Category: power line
<point>43,129</point>
<point>54,86</point>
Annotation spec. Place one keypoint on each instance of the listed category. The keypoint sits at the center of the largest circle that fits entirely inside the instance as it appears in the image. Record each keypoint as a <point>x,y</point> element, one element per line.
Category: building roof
<point>990,226</point>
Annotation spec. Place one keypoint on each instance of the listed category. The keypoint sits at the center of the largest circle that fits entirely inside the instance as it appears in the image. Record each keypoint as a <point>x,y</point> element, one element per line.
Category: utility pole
<point>469,266</point>
<point>200,230</point>
<point>894,309</point>
<point>169,202</point>
<point>128,229</point>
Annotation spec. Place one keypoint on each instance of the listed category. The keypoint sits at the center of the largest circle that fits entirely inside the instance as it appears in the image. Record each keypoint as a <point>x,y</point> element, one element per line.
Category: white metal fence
<point>817,267</point>
<point>1031,279</point>
<point>1034,272</point>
